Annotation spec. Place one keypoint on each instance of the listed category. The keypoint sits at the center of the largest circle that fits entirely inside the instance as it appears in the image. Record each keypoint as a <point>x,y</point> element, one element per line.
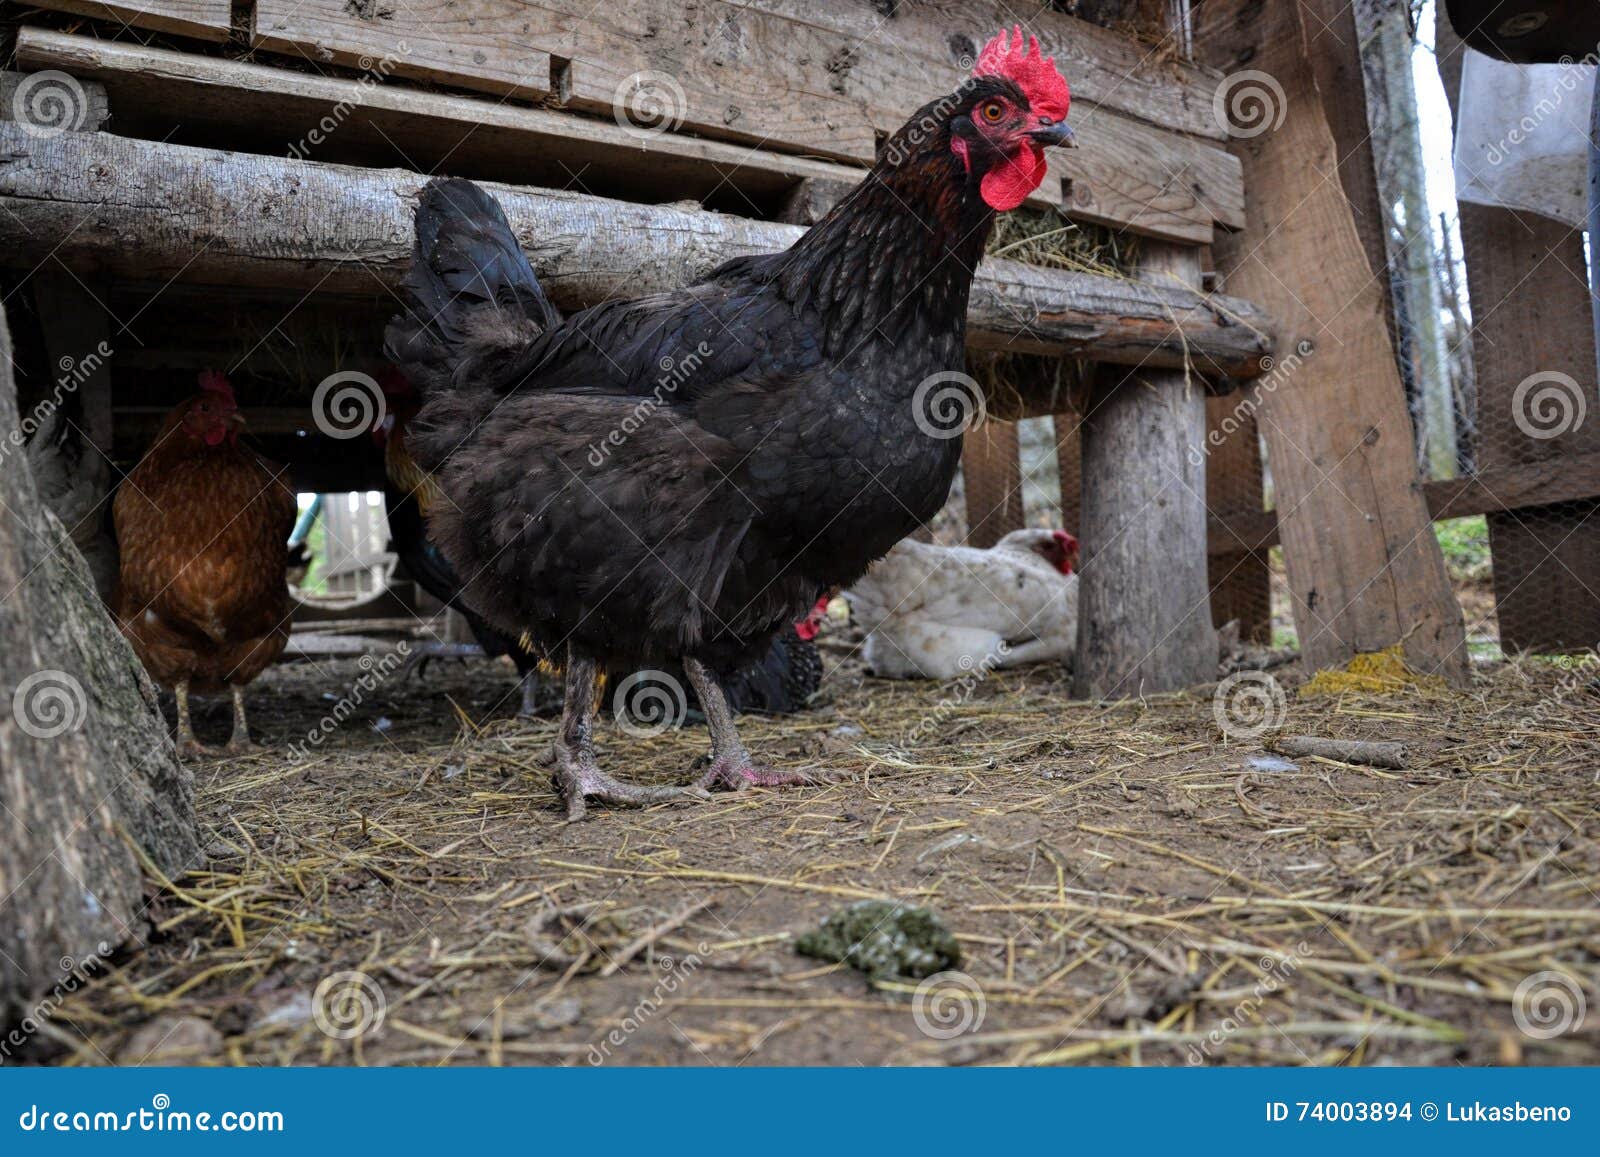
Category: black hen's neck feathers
<point>905,241</point>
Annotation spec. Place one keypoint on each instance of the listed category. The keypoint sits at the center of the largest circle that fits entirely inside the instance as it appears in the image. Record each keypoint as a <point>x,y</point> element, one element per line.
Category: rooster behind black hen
<point>677,476</point>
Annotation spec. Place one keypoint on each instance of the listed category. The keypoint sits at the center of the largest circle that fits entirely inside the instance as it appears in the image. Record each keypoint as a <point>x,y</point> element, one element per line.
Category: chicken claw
<point>577,777</point>
<point>732,769</point>
<point>728,774</point>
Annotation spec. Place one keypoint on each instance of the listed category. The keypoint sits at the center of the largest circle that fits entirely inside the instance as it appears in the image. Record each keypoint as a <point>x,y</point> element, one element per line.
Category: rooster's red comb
<point>1020,62</point>
<point>215,382</point>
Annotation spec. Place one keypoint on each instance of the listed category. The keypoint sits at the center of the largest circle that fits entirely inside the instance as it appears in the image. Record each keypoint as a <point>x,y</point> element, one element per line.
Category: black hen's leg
<point>529,685</point>
<point>578,778</point>
<point>731,766</point>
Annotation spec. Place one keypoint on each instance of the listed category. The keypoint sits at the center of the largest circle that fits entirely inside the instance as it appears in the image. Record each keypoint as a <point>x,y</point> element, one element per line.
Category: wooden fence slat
<point>204,19</point>
<point>1365,570</point>
<point>1531,314</point>
<point>1241,582</point>
<point>991,471</point>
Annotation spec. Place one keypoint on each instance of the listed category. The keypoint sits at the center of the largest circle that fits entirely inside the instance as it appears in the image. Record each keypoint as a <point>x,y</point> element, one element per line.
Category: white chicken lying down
<point>936,612</point>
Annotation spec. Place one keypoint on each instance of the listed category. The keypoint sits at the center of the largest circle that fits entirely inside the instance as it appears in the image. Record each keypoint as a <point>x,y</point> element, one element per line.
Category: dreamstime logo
<point>1548,1004</point>
<point>47,104</point>
<point>648,104</point>
<point>49,703</point>
<point>373,72</point>
<point>347,404</point>
<point>346,1005</point>
<point>1249,103</point>
<point>1277,970</point>
<point>1548,404</point>
<point>948,404</point>
<point>948,1004</point>
<point>649,703</point>
<point>1248,704</point>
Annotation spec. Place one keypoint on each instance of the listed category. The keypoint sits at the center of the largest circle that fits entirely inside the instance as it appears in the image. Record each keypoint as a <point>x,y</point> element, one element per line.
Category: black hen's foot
<point>578,779</point>
<point>729,774</point>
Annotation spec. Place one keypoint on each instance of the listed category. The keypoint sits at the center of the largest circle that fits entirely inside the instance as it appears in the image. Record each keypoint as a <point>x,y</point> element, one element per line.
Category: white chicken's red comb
<point>1036,75</point>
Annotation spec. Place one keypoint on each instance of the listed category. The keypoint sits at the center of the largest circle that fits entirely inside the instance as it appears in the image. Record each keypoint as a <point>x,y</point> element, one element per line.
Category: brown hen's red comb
<point>1035,75</point>
<point>216,382</point>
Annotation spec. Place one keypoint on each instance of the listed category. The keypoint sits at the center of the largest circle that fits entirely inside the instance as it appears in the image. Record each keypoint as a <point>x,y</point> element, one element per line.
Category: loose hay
<point>1125,887</point>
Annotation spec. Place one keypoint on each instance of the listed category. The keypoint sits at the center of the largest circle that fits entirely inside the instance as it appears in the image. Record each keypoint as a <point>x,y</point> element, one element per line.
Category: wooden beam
<point>154,211</point>
<point>740,73</point>
<point>204,19</point>
<point>1365,571</point>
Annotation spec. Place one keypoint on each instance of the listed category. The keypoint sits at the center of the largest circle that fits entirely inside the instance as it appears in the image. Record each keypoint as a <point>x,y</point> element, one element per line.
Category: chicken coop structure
<point>193,183</point>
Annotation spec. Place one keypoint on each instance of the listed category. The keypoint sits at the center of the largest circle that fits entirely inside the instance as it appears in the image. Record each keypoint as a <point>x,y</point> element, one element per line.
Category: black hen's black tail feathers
<point>473,303</point>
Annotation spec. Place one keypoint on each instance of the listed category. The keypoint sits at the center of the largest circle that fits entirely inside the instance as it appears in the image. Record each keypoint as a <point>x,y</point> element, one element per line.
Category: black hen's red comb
<point>1019,61</point>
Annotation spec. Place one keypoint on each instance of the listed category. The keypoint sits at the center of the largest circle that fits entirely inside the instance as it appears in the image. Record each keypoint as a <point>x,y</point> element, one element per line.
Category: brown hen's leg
<point>731,766</point>
<point>577,777</point>
<point>188,746</point>
<point>239,742</point>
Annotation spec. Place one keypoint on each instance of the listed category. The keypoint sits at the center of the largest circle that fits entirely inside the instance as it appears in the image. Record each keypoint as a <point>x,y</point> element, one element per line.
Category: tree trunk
<point>87,769</point>
<point>1144,607</point>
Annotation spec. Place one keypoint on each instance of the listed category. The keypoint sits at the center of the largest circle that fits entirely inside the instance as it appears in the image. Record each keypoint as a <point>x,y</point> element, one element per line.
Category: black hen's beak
<point>1054,133</point>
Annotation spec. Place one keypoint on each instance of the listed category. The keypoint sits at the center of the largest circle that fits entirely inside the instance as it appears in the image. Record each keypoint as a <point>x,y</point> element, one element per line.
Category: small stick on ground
<point>1373,753</point>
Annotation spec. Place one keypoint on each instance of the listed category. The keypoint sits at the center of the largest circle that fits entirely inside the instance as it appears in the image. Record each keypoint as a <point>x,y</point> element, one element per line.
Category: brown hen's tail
<point>473,303</point>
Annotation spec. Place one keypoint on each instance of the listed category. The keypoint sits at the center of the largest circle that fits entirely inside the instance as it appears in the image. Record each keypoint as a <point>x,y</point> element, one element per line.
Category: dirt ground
<point>1127,884</point>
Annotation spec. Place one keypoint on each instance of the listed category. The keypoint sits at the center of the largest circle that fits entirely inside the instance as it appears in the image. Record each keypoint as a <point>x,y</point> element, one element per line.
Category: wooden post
<point>991,469</point>
<point>1144,614</point>
<point>1531,316</point>
<point>1365,571</point>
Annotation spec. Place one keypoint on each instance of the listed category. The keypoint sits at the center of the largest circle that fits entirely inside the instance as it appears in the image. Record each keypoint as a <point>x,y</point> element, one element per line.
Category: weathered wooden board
<point>1103,67</point>
<point>338,119</point>
<point>152,211</point>
<point>205,19</point>
<point>1365,571</point>
<point>748,75</point>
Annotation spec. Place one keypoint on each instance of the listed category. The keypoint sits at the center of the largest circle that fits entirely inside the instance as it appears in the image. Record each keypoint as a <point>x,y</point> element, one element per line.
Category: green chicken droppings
<point>884,939</point>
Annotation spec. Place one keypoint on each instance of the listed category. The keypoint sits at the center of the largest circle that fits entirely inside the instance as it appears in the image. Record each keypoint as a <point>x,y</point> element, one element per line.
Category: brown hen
<point>203,525</point>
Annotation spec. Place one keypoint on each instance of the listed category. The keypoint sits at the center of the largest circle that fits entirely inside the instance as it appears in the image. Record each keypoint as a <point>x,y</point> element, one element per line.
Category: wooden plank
<point>738,73</point>
<point>333,118</point>
<point>203,19</point>
<point>1104,67</point>
<point>1531,315</point>
<point>991,473</point>
<point>1365,571</point>
<point>1571,479</point>
<point>152,211</point>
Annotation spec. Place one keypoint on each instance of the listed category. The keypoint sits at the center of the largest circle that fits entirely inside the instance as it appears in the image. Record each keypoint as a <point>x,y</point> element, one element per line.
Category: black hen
<point>675,477</point>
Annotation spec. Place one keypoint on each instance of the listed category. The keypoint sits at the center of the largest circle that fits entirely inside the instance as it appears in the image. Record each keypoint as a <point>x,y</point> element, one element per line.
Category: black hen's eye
<point>992,112</point>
